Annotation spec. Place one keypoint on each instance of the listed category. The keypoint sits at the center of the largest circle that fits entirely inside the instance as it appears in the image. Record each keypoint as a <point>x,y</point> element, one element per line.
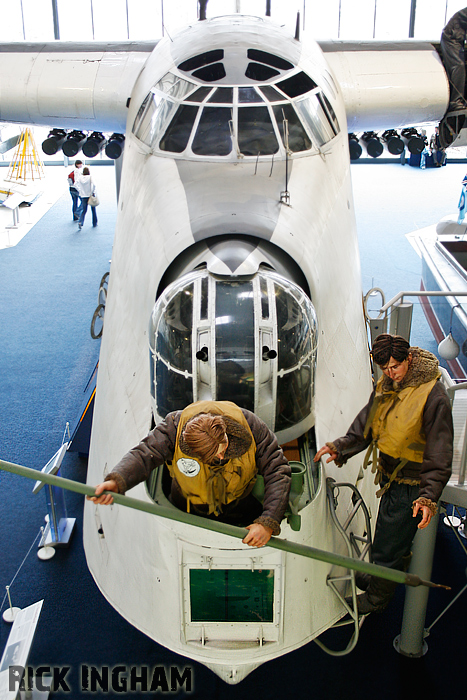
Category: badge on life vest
<point>188,467</point>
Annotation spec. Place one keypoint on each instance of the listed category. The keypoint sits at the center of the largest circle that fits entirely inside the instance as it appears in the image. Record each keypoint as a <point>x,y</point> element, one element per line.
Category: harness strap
<point>371,415</point>
<point>372,452</point>
<point>371,457</point>
<point>400,466</point>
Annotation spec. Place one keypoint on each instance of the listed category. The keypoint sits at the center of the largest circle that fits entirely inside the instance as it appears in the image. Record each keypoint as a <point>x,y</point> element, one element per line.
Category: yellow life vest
<point>397,423</point>
<point>211,484</point>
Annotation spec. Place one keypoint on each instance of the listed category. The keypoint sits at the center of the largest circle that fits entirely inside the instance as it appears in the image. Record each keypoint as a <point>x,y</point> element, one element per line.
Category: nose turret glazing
<point>252,341</point>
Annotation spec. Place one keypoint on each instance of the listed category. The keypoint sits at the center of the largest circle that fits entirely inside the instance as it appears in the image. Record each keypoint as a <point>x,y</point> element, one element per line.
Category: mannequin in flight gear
<point>407,428</point>
<point>214,451</point>
<point>452,48</point>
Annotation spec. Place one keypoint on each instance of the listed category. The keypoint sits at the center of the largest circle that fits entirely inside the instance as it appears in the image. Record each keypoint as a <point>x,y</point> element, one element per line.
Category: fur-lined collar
<point>239,441</point>
<point>423,368</point>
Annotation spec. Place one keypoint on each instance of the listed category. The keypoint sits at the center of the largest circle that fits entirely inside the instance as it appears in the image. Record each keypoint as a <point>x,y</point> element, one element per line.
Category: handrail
<point>419,293</point>
<point>451,390</point>
<point>451,387</point>
<point>223,528</point>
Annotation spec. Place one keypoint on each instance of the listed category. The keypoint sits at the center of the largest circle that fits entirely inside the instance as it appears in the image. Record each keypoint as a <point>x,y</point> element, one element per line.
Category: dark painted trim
<point>349,46</point>
<point>78,47</point>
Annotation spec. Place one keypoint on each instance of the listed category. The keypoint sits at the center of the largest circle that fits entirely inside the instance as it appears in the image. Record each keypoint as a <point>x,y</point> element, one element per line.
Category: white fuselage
<point>167,202</point>
<point>188,187</point>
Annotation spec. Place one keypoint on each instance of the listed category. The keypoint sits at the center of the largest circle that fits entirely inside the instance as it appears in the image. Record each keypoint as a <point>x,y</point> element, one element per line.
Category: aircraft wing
<point>70,85</point>
<point>388,84</point>
<point>87,86</point>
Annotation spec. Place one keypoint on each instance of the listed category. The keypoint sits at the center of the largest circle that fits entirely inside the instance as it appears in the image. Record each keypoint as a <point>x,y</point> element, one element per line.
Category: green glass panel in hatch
<point>232,595</point>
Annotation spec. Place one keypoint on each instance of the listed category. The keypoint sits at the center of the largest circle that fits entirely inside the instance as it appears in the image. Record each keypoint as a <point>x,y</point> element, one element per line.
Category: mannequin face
<point>396,370</point>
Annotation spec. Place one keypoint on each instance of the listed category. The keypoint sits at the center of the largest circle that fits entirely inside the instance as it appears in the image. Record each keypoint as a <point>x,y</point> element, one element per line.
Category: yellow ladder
<point>26,163</point>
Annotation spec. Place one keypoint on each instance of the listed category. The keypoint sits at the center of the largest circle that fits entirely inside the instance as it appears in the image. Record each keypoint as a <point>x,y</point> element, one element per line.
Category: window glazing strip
<point>200,94</point>
<point>297,84</point>
<point>249,95</point>
<point>211,73</point>
<point>298,137</point>
<point>202,59</point>
<point>174,86</point>
<point>271,93</point>
<point>179,130</point>
<point>315,118</point>
<point>270,59</point>
<point>156,116</point>
<point>174,391</point>
<point>222,95</point>
<point>327,107</point>
<point>264,298</point>
<point>235,343</point>
<point>297,344</point>
<point>141,112</point>
<point>173,333</point>
<point>255,132</point>
<point>256,71</point>
<point>212,136</point>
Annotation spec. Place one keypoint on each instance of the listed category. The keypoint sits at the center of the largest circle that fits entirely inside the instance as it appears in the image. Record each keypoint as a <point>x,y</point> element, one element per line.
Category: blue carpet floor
<point>48,292</point>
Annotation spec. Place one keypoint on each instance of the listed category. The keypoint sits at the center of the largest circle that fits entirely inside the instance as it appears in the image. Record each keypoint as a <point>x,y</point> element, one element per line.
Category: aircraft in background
<point>235,275</point>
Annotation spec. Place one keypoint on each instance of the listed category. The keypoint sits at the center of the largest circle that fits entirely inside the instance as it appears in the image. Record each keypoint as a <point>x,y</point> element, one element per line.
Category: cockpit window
<point>224,95</point>
<point>256,71</point>
<point>269,58</point>
<point>328,108</point>
<point>212,136</point>
<point>211,73</point>
<point>298,139</point>
<point>248,94</point>
<point>200,94</point>
<point>297,84</point>
<point>174,86</point>
<point>255,132</point>
<point>180,116</point>
<point>271,94</point>
<point>203,59</point>
<point>152,117</point>
<point>314,115</point>
<point>178,133</point>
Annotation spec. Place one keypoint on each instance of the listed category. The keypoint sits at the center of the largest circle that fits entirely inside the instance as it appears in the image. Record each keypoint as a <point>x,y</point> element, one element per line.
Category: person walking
<point>408,421</point>
<point>72,177</point>
<point>86,188</point>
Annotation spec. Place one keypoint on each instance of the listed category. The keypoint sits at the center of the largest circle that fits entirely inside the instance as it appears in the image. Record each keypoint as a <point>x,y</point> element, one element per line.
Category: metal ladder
<point>357,546</point>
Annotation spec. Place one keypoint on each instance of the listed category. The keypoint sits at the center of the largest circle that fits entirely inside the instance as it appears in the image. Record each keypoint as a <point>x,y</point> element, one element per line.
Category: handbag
<point>93,200</point>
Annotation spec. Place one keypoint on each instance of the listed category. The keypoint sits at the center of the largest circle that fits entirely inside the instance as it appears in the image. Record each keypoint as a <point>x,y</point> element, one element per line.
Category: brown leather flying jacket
<point>271,462</point>
<point>434,471</point>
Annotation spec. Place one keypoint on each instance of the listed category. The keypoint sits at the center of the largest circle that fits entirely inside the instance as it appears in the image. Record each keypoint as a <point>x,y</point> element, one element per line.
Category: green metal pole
<point>222,528</point>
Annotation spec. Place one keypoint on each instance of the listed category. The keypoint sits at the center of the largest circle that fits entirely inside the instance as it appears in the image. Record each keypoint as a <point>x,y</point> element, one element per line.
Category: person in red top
<point>74,189</point>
